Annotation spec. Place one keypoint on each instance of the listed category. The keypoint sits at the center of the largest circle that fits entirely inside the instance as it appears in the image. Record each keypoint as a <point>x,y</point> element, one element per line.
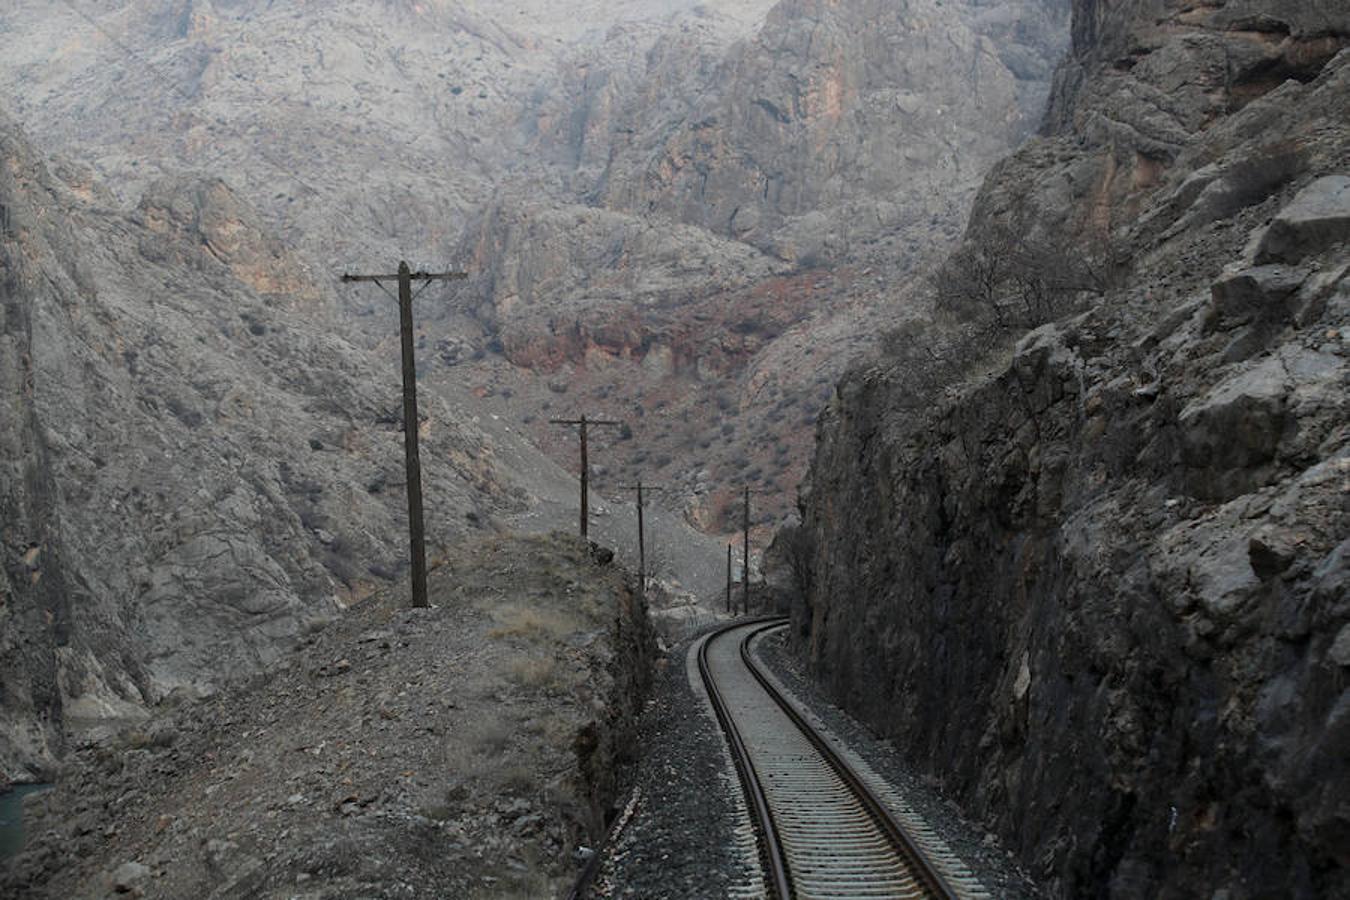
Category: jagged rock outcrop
<point>556,283</point>
<point>838,125</point>
<point>204,218</point>
<point>1101,594</point>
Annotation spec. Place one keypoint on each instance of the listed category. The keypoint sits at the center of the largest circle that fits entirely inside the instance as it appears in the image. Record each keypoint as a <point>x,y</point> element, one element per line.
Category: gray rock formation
<point>739,212</point>
<point>837,126</point>
<point>208,460</point>
<point>1101,593</point>
<point>1318,218</point>
<point>611,173</point>
<point>195,472</point>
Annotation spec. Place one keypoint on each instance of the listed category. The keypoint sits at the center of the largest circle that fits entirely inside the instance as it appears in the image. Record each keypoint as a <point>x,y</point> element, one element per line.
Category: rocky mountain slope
<point>196,470</point>
<point>205,455</point>
<point>1101,592</point>
<point>622,179</point>
<point>740,213</point>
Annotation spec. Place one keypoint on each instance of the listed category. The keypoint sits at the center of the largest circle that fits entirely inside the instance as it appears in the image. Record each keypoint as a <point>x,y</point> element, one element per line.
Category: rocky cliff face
<point>837,126</point>
<point>621,178</point>
<point>194,473</point>
<point>1101,593</point>
<point>738,211</point>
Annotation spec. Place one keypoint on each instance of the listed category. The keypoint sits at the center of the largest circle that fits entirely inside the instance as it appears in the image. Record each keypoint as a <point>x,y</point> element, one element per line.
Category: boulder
<point>1271,552</point>
<point>1255,303</point>
<point>1258,294</point>
<point>1340,647</point>
<point>1316,219</point>
<point>1230,434</point>
<point>126,879</point>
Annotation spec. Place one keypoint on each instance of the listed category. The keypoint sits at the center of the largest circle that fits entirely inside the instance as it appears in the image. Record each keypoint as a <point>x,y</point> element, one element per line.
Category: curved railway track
<point>824,831</point>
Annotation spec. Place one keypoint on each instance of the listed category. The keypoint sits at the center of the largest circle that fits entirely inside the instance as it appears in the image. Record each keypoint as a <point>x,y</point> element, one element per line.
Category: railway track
<point>826,829</point>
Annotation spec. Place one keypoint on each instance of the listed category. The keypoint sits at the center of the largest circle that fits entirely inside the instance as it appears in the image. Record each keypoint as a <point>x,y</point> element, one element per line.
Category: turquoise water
<point>11,817</point>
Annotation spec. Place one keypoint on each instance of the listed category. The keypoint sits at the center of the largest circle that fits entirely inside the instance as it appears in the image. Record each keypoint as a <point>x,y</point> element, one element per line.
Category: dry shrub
<point>532,624</point>
<point>798,547</point>
<point>145,739</point>
<point>550,729</point>
<point>491,737</point>
<point>536,673</point>
<point>518,886</point>
<point>1022,268</point>
<point>518,778</point>
<point>439,812</point>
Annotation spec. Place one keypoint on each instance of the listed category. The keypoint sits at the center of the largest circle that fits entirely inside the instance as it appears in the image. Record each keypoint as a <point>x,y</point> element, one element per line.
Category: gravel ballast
<point>682,841</point>
<point>978,849</point>
<point>687,837</point>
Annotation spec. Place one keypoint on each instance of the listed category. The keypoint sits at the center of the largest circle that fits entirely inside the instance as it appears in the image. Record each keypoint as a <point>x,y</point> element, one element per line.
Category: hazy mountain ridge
<point>381,130</point>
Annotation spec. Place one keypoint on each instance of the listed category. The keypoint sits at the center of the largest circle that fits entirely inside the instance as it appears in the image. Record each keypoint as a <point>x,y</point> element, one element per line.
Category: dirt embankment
<point>460,751</point>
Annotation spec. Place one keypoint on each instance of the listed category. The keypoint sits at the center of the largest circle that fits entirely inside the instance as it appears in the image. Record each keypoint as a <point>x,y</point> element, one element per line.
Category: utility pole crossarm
<point>415,276</point>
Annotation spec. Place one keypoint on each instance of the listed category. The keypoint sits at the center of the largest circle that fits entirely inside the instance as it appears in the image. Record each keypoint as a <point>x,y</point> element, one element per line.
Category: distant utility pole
<point>728,579</point>
<point>745,565</point>
<point>642,537</point>
<point>585,423</point>
<point>412,462</point>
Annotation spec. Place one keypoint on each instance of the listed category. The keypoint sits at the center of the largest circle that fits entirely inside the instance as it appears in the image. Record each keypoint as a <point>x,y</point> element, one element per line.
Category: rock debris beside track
<point>679,844</point>
<point>461,751</point>
<point>977,848</point>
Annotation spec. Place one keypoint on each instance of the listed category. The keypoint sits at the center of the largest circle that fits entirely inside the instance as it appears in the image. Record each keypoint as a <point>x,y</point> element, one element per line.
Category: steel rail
<point>933,880</point>
<point>581,887</point>
<point>780,882</point>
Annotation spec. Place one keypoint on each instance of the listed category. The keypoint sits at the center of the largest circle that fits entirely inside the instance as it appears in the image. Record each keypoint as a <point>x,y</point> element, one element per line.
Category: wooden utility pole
<point>745,565</point>
<point>585,423</point>
<point>412,461</point>
<point>728,579</point>
<point>745,537</point>
<point>642,535</point>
